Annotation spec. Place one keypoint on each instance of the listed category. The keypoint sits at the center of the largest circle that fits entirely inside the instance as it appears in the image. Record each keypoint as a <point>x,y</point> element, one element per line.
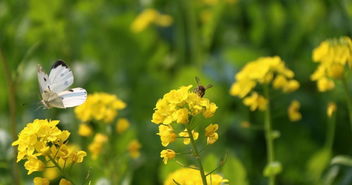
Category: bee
<point>200,90</point>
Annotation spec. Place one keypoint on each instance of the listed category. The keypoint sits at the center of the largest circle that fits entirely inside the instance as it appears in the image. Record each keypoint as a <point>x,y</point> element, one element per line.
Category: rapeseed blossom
<point>177,106</point>
<point>150,16</point>
<point>188,176</point>
<point>122,125</point>
<point>96,146</point>
<point>42,139</point>
<point>133,148</point>
<point>85,130</point>
<point>331,109</point>
<point>99,107</point>
<point>333,56</point>
<point>293,111</point>
<point>167,155</point>
<point>44,146</point>
<point>211,134</point>
<point>265,70</point>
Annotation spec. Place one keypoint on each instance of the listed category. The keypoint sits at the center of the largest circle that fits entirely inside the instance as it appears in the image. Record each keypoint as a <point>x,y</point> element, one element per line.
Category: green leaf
<point>342,160</point>
<point>318,163</point>
<point>234,171</point>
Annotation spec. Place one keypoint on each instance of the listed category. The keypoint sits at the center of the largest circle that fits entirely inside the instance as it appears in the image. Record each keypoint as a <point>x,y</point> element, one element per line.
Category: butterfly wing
<point>60,77</point>
<point>43,79</point>
<point>73,97</point>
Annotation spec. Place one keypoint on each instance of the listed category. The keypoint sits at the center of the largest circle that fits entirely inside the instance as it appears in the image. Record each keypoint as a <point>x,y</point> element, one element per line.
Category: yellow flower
<point>167,154</point>
<point>122,125</point>
<point>211,134</point>
<point>293,111</point>
<point>148,17</point>
<point>331,109</point>
<point>178,105</point>
<point>97,145</point>
<point>256,101</point>
<point>133,148</point>
<point>99,107</point>
<point>84,130</point>
<point>40,181</point>
<point>333,56</point>
<point>33,164</point>
<point>64,182</point>
<point>188,176</point>
<point>51,173</point>
<point>167,134</point>
<point>185,134</point>
<point>325,84</point>
<point>264,70</point>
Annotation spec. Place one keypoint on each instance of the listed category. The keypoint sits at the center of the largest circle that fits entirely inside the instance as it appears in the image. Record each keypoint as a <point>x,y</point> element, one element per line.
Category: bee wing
<point>209,86</point>
<point>73,97</point>
<point>43,79</point>
<point>60,77</point>
<point>197,80</point>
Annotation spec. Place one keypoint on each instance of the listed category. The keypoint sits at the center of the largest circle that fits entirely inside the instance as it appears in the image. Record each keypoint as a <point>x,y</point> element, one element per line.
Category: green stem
<point>348,98</point>
<point>11,92</point>
<point>197,156</point>
<point>268,134</point>
<point>331,131</point>
<point>62,171</point>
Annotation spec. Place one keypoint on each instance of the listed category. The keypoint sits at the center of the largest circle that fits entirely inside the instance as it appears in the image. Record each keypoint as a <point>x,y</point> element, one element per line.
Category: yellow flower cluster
<point>188,176</point>
<point>41,140</point>
<point>122,125</point>
<point>97,145</point>
<point>333,55</point>
<point>100,107</point>
<point>150,16</point>
<point>178,105</point>
<point>293,111</point>
<point>264,70</point>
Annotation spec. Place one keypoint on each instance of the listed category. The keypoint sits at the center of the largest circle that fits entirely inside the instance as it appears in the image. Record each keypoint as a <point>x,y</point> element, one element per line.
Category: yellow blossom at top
<point>150,16</point>
<point>122,125</point>
<point>293,111</point>
<point>99,107</point>
<point>331,109</point>
<point>211,134</point>
<point>96,146</point>
<point>262,71</point>
<point>178,105</point>
<point>188,176</point>
<point>40,181</point>
<point>333,55</point>
<point>133,148</point>
<point>43,139</point>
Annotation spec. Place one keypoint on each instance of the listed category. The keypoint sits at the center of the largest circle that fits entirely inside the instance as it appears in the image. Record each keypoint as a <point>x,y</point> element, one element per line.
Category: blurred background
<point>140,50</point>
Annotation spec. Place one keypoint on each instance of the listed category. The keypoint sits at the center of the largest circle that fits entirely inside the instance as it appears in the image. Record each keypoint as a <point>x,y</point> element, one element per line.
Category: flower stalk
<point>197,155</point>
<point>268,134</point>
<point>348,98</point>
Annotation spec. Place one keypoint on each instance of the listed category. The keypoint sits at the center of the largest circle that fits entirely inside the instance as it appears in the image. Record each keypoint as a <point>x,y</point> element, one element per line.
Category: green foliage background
<point>95,39</point>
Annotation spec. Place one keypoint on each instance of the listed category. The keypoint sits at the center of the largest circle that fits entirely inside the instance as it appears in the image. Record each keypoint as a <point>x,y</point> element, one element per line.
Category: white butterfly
<point>53,87</point>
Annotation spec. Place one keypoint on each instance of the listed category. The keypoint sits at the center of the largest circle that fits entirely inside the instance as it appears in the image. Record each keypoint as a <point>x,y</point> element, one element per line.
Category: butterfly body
<point>52,87</point>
